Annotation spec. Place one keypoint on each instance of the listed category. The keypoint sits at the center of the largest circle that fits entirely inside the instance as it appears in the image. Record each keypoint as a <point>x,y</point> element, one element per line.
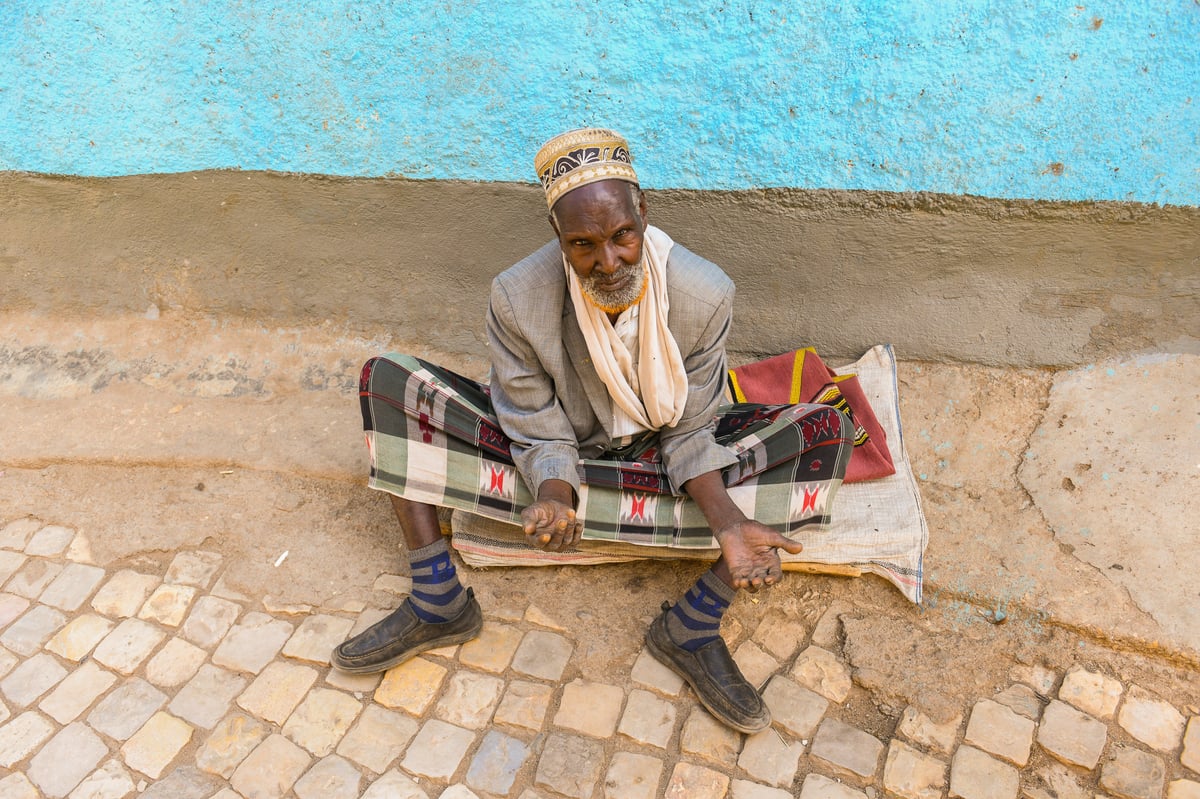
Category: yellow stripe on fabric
<point>738,394</point>
<point>797,373</point>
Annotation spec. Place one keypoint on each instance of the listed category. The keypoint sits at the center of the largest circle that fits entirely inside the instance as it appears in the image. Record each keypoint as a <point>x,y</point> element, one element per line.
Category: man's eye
<point>580,243</point>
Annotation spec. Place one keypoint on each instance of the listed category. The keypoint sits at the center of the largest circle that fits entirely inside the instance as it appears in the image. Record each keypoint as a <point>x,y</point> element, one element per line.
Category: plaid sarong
<point>434,438</point>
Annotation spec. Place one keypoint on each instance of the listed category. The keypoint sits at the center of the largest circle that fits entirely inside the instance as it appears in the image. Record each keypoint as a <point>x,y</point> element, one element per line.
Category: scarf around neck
<point>653,397</point>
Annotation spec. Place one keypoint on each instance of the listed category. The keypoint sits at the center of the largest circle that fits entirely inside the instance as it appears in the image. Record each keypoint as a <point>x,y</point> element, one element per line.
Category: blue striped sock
<point>437,595</point>
<point>695,620</point>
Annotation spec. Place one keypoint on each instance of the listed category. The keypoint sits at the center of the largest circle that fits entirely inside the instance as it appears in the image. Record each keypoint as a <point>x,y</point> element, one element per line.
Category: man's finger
<point>788,545</point>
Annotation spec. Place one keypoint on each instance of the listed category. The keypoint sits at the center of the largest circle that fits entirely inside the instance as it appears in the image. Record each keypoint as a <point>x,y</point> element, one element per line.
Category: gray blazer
<point>547,395</point>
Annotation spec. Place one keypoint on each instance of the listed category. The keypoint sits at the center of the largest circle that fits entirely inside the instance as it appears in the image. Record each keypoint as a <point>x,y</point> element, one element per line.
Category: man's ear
<point>553,223</point>
<point>642,205</point>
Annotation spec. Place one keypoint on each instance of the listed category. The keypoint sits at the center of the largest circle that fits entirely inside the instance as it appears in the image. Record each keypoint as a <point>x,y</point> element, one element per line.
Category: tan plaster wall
<point>941,277</point>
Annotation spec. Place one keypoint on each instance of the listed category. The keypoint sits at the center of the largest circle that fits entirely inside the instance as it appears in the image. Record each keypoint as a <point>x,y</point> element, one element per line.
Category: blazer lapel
<point>581,362</point>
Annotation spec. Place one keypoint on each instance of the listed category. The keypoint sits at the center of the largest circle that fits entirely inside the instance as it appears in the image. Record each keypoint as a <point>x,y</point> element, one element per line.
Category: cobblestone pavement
<point>119,682</point>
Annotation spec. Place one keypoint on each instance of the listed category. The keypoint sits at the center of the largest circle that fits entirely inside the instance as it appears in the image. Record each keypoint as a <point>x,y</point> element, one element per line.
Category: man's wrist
<point>554,490</point>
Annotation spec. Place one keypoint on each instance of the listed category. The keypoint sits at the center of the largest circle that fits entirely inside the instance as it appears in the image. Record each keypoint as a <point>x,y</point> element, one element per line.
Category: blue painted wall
<point>1038,99</point>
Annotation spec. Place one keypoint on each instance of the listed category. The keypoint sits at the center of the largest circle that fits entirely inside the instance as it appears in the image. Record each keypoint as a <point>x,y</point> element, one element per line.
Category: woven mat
<point>878,526</point>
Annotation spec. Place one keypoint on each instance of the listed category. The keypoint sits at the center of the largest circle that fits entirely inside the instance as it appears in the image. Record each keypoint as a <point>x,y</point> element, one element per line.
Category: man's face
<point>601,227</point>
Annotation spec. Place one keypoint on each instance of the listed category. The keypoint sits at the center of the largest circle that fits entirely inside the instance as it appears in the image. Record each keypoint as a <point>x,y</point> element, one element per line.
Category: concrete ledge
<point>942,278</point>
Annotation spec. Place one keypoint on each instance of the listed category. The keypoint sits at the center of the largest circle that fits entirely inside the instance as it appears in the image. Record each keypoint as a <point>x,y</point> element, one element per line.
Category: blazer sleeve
<point>689,449</point>
<point>544,444</point>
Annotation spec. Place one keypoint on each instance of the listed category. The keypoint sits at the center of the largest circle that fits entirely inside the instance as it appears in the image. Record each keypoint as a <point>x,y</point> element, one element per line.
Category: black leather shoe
<point>716,679</point>
<point>402,636</point>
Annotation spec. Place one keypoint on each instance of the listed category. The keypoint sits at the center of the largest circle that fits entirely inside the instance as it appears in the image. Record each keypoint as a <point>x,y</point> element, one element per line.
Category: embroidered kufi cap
<point>579,157</point>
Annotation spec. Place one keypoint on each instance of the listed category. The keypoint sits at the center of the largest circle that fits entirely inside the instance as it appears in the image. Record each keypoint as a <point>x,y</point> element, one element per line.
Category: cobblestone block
<point>744,789</point>
<point>768,758</point>
<point>16,534</point>
<point>10,563</point>
<point>50,541</point>
<point>469,699</point>
<point>524,705</point>
<point>130,643</point>
<point>818,786</point>
<point>33,578</point>
<point>570,765</point>
<point>411,686</point>
<point>1071,736</point>
<point>27,634</point>
<point>493,650</point>
<point>437,750</point>
<point>253,643</point>
<point>632,776</point>
<point>538,616</point>
<point>357,684</point>
<point>458,792</point>
<point>66,759</point>
<point>496,763</point>
<point>4,713</point>
<point>155,745</point>
<point>542,654</point>
<point>689,781</point>
<point>378,738</point>
<point>1191,745</point>
<point>820,670</point>
<point>921,729</point>
<point>1037,677</point>
<point>8,661</point>
<point>206,698</point>
<point>780,635</point>
<point>229,743</point>
<point>648,672</point>
<point>331,778</point>
<point>705,737</point>
<point>22,735</point>
<point>79,637</point>
<point>124,594</point>
<point>76,693</point>
<point>193,568</point>
<point>1022,699</point>
<point>976,775</point>
<point>11,606</point>
<point>277,690</point>
<point>847,750</point>
<point>1056,781</point>
<point>1183,789</point>
<point>1132,774</point>
<point>394,785</point>
<point>316,637</point>
<point>367,618</point>
<point>589,707</point>
<point>396,584</point>
<point>321,720</point>
<point>129,706</point>
<point>31,679</point>
<point>80,550</point>
<point>271,770</point>
<point>997,730</point>
<point>1151,720</point>
<point>794,707</point>
<point>174,664</point>
<point>209,621</point>
<point>110,781</point>
<point>18,786</point>
<point>168,604</point>
<point>756,665</point>
<point>1091,692</point>
<point>912,774</point>
<point>648,720</point>
<point>73,585</point>
<point>183,782</point>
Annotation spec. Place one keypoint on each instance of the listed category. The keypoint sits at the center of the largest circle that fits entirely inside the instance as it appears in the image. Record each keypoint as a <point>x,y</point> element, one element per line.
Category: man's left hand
<point>751,552</point>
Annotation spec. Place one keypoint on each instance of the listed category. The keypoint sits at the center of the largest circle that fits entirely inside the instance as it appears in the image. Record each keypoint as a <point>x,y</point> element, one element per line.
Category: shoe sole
<point>375,668</point>
<point>665,659</point>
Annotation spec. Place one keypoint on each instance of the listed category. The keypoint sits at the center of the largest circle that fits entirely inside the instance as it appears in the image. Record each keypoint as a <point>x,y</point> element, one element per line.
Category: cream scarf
<point>653,397</point>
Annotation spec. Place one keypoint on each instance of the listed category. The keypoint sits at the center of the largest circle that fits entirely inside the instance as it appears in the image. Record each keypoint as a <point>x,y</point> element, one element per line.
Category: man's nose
<point>608,261</point>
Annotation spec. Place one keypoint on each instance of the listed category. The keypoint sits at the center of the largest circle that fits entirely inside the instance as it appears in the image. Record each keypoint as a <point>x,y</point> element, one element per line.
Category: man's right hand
<point>550,523</point>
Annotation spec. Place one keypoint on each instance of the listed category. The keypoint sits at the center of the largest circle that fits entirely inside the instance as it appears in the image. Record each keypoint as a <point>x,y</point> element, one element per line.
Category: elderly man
<point>603,420</point>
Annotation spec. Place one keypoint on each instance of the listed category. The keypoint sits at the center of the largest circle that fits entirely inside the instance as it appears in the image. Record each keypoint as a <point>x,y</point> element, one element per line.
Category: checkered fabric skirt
<point>434,438</point>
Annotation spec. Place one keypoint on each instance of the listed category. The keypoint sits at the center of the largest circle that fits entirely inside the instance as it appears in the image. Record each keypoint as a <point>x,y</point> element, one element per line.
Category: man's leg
<point>437,613</point>
<point>437,595</point>
<point>687,638</point>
